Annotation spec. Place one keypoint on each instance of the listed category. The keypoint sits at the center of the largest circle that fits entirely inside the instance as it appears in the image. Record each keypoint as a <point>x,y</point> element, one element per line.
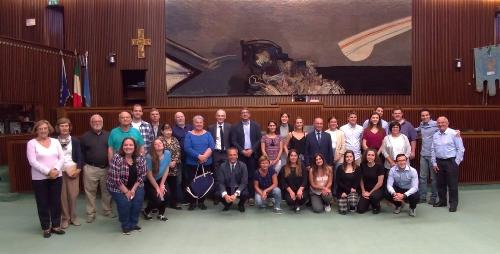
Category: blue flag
<point>86,82</point>
<point>64,90</point>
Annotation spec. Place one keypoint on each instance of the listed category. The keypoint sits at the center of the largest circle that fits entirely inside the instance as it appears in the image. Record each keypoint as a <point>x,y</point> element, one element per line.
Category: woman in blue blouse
<point>125,183</point>
<point>158,161</point>
<point>198,147</point>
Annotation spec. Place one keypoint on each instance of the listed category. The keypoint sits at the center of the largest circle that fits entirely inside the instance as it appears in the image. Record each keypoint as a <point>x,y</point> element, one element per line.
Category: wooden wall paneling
<point>30,73</point>
<point>19,168</point>
<point>466,118</point>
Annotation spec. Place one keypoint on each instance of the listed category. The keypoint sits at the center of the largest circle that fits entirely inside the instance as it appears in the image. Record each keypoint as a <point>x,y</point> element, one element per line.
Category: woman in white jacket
<point>393,144</point>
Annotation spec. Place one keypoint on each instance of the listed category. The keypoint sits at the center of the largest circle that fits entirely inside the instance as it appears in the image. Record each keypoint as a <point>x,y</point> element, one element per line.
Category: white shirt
<point>218,139</point>
<point>68,158</point>
<point>397,144</point>
<point>333,134</point>
<point>353,136</point>
<point>136,125</point>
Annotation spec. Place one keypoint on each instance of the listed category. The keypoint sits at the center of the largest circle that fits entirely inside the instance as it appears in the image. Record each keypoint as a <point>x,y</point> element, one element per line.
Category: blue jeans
<point>275,193</point>
<point>425,168</point>
<point>128,211</point>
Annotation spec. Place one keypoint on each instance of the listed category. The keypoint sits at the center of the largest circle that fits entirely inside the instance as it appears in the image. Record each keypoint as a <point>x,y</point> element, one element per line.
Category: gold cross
<point>141,42</point>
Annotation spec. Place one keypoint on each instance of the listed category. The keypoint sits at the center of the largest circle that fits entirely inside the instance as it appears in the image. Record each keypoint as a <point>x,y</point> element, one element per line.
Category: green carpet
<point>473,229</point>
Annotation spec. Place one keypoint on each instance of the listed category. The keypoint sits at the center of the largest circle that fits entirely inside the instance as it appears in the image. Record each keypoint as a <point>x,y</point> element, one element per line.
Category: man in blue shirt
<point>447,153</point>
<point>427,128</point>
<point>402,184</point>
<point>118,134</point>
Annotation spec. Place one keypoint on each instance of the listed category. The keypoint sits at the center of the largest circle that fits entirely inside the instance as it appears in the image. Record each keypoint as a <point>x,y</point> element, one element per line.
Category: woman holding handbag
<point>198,146</point>
<point>72,166</point>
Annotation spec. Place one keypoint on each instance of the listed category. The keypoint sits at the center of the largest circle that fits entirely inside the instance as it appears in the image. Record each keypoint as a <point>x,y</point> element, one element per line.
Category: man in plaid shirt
<point>144,127</point>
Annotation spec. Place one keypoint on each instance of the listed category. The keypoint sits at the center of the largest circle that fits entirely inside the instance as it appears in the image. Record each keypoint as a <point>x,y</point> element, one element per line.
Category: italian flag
<point>77,86</point>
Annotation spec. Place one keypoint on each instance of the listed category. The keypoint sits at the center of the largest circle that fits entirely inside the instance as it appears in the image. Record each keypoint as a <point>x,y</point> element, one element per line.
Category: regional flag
<point>64,89</point>
<point>86,81</point>
<point>77,86</point>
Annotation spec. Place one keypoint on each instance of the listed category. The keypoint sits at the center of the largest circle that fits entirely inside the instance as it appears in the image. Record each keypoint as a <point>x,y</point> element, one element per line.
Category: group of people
<point>354,166</point>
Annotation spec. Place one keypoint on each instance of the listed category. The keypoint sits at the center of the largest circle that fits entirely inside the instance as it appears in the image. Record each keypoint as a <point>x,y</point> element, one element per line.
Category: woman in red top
<point>374,134</point>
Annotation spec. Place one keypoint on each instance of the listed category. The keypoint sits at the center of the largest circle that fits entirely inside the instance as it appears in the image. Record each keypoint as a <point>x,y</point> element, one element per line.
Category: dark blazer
<point>227,133</point>
<point>158,134</point>
<point>313,147</point>
<point>238,137</point>
<point>290,127</point>
<point>223,177</point>
<point>76,152</point>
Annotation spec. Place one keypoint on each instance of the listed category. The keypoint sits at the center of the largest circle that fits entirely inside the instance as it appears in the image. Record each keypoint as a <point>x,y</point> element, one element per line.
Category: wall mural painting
<point>266,47</point>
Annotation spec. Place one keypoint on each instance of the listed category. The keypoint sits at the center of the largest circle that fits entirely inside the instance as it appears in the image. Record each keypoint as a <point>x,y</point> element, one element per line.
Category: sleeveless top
<point>298,144</point>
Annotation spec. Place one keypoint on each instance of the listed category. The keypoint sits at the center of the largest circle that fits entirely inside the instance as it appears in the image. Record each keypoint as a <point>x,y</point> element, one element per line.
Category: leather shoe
<point>241,208</point>
<point>46,233</point>
<point>226,208</point>
<point>64,224</point>
<point>57,231</point>
<point>191,207</point>
<point>76,222</point>
<point>439,204</point>
<point>202,206</point>
<point>452,209</point>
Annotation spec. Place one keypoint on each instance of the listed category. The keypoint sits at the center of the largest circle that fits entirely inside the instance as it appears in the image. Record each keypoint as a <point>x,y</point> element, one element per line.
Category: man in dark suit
<point>232,181</point>
<point>245,136</point>
<point>318,141</point>
<point>221,132</point>
<point>154,116</point>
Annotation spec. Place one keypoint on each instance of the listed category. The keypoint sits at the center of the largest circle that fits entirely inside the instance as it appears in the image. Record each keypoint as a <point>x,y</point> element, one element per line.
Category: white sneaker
<point>328,208</point>
<point>297,209</point>
<point>277,211</point>
<point>412,212</point>
<point>397,210</point>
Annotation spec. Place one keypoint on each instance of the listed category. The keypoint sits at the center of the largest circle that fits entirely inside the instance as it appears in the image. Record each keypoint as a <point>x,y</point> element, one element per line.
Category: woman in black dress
<point>293,181</point>
<point>372,182</point>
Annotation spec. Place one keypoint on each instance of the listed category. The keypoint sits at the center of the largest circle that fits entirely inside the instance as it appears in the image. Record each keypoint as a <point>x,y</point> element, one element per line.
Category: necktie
<point>221,138</point>
<point>319,136</point>
<point>232,168</point>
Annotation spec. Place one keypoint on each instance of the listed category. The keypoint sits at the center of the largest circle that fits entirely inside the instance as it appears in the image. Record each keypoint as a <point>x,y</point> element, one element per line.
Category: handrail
<point>8,41</point>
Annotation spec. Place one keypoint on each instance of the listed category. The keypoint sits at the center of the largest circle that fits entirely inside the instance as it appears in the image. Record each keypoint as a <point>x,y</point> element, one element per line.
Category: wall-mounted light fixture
<point>111,58</point>
<point>458,64</point>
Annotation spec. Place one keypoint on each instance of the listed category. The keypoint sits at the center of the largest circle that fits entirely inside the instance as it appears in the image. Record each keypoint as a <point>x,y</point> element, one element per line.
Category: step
<point>4,187</point>
<point>9,197</point>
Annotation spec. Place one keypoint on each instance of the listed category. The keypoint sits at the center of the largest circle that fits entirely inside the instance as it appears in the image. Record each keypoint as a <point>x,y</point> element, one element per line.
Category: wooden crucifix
<point>141,43</point>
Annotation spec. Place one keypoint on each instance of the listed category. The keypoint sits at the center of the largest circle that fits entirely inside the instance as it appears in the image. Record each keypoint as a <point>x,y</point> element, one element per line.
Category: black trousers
<point>374,201</point>
<point>218,157</point>
<point>154,202</point>
<point>251,163</point>
<point>447,177</point>
<point>243,197</point>
<point>413,199</point>
<point>297,202</point>
<point>48,201</point>
<point>172,188</point>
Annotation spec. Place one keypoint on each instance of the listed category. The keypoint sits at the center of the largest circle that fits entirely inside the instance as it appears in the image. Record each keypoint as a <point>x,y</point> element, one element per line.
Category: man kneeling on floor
<point>402,185</point>
<point>232,181</point>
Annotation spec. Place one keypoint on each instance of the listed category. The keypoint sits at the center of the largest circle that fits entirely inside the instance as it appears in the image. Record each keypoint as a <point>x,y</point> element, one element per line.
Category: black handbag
<point>201,184</point>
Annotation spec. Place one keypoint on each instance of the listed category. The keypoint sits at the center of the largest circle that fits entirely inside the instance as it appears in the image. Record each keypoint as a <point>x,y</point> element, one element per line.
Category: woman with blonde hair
<point>46,158</point>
